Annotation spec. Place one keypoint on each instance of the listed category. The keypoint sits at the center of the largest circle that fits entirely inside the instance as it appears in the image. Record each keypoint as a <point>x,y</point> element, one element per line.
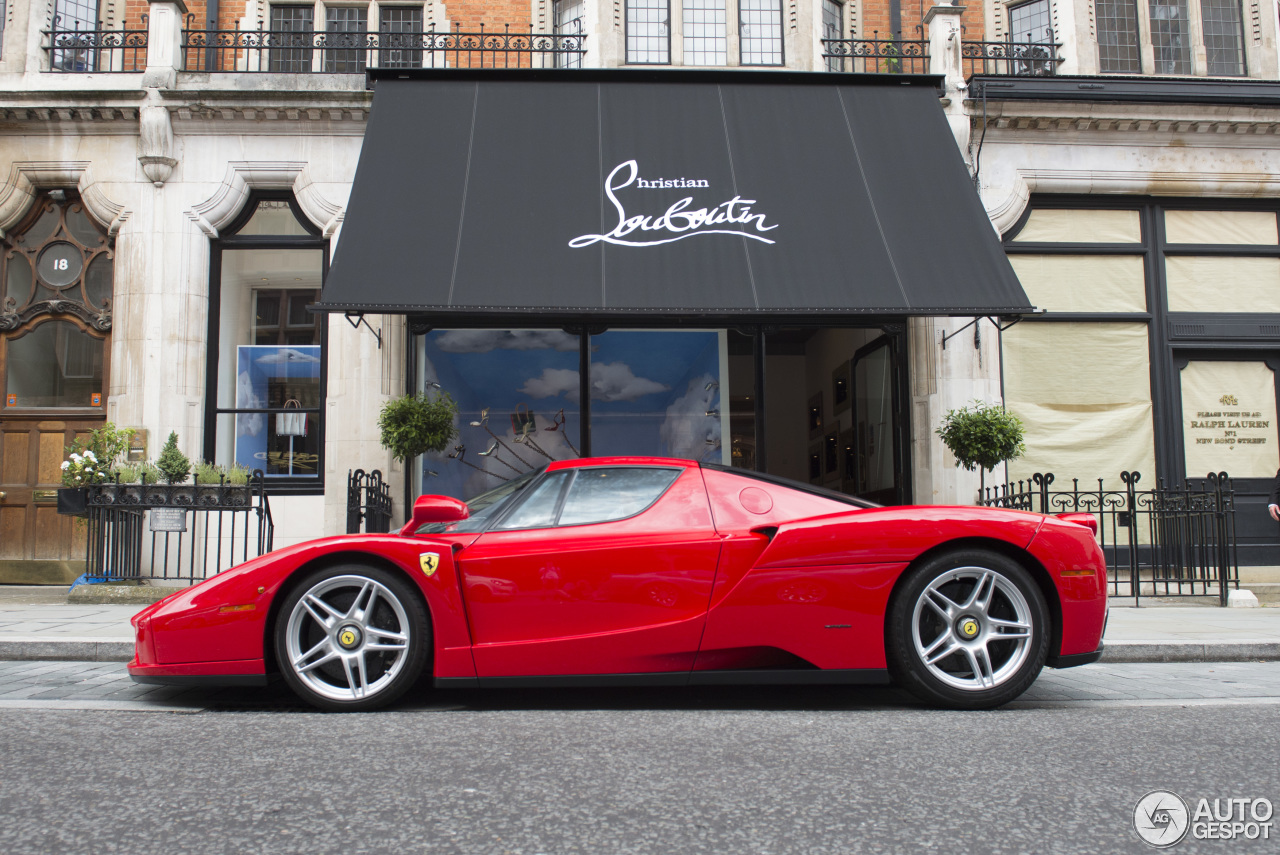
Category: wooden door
<point>31,455</point>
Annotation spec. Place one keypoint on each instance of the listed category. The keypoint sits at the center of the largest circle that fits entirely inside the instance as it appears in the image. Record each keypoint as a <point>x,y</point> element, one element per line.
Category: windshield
<point>484,507</point>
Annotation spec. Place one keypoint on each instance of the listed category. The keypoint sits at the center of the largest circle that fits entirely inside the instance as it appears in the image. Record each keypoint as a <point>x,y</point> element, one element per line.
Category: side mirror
<point>436,509</point>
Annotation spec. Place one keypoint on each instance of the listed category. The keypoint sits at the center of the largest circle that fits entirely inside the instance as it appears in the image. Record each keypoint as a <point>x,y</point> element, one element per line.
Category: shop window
<point>1229,418</point>
<point>832,28</point>
<point>1118,49</point>
<point>267,378</point>
<point>1220,227</point>
<point>1219,284</point>
<point>706,41</point>
<point>1083,283</point>
<point>1075,225</point>
<point>760,31</point>
<point>568,15</point>
<point>1084,418</point>
<point>649,32</point>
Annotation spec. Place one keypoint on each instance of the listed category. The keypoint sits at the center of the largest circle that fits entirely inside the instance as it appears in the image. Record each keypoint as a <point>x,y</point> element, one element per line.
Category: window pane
<point>273,217</point>
<point>292,31</point>
<point>568,21</point>
<point>1083,283</point>
<point>75,15</point>
<point>1210,284</point>
<point>287,380</point>
<point>1229,227</point>
<point>17,276</point>
<point>82,229</point>
<point>1118,37</point>
<point>538,510</point>
<point>400,39</point>
<point>1085,418</point>
<point>55,365</point>
<point>598,495</point>
<point>1052,225</point>
<point>1029,22</point>
<point>647,31</point>
<point>832,28</point>
<point>1229,419</point>
<point>705,39</point>
<point>1170,36</point>
<point>760,31</point>
<point>1223,36</point>
<point>517,393</point>
<point>97,281</point>
<point>345,30</point>
<point>656,393</point>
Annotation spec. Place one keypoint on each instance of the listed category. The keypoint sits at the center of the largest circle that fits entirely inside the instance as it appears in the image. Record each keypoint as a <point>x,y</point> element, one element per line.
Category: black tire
<point>336,653</point>
<point>979,657</point>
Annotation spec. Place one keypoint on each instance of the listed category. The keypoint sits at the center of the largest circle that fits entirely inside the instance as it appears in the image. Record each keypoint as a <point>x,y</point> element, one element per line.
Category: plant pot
<point>73,501</point>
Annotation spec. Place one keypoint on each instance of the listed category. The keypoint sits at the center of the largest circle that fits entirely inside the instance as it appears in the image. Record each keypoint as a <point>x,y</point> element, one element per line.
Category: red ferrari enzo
<point>647,571</point>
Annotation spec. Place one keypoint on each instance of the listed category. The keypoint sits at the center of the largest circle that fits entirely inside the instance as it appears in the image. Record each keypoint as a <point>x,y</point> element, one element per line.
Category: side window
<point>541,507</point>
<point>599,495</point>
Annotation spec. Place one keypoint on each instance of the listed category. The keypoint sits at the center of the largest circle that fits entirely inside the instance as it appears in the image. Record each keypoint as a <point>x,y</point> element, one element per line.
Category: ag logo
<point>1161,818</point>
<point>429,562</point>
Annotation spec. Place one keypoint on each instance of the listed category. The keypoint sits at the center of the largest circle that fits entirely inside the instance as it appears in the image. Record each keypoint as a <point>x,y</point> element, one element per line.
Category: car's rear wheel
<point>351,638</point>
<point>967,630</point>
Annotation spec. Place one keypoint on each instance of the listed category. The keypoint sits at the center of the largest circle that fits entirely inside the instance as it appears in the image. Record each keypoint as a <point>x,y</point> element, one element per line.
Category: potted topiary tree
<point>174,466</point>
<point>982,436</point>
<point>415,424</point>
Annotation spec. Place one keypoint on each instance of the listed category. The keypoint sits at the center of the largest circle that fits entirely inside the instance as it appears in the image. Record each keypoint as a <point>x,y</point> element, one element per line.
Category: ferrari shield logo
<point>429,562</point>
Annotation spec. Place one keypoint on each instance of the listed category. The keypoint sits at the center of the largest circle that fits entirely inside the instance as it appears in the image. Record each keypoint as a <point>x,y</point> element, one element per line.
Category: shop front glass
<point>686,393</point>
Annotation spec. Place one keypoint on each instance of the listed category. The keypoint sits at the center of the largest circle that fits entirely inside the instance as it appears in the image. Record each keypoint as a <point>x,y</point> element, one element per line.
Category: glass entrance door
<point>877,472</point>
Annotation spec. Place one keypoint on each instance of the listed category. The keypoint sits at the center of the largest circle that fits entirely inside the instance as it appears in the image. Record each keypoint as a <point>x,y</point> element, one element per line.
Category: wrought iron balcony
<point>1011,59</point>
<point>876,55</point>
<point>316,52</point>
<point>80,51</point>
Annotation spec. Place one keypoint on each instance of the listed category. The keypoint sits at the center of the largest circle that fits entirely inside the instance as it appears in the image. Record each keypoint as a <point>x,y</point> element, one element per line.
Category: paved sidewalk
<point>35,626</point>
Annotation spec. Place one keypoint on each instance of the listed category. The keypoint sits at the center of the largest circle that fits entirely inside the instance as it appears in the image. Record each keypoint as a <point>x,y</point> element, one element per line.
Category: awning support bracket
<point>359,319</point>
<point>977,333</point>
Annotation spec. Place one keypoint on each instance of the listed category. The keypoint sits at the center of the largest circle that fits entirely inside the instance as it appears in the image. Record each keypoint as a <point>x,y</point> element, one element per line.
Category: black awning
<point>621,194</point>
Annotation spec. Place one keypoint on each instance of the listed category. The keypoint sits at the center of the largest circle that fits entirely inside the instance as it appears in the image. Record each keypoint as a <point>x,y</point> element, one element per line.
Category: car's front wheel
<point>967,630</point>
<point>351,638</point>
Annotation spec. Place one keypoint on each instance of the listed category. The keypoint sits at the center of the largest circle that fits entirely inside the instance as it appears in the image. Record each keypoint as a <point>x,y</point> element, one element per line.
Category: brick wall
<point>875,18</point>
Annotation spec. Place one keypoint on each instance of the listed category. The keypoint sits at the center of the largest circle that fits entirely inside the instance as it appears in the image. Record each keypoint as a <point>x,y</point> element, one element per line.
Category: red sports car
<point>647,571</point>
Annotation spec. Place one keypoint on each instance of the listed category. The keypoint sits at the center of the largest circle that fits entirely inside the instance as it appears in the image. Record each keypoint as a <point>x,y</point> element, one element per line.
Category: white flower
<point>76,457</point>
<point>66,464</point>
<point>90,456</point>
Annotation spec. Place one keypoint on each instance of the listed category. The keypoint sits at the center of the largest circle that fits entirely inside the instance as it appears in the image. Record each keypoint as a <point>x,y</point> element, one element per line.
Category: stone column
<point>943,23</point>
<point>164,43</point>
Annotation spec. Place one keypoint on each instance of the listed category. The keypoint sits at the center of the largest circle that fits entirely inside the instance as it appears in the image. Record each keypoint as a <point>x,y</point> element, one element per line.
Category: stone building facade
<point>214,165</point>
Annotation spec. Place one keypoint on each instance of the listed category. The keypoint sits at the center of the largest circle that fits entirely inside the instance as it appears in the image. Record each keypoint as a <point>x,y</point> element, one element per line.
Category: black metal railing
<point>317,52</point>
<point>76,50</point>
<point>180,532</point>
<point>1175,541</point>
<point>368,502</point>
<point>1012,59</point>
<point>876,55</point>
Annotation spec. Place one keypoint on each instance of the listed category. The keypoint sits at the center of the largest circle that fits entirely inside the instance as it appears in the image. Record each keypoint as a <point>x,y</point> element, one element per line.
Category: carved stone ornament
<point>155,134</point>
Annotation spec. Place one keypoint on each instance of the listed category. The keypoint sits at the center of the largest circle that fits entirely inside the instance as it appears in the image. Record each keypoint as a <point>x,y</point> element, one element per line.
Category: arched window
<point>266,368</point>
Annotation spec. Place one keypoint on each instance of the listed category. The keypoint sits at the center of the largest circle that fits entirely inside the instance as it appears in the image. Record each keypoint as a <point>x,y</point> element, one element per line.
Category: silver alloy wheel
<point>976,634</point>
<point>338,640</point>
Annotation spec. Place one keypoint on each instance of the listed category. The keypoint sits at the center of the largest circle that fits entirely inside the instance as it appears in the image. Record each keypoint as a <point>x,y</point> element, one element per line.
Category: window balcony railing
<point>316,52</point>
<point>80,51</point>
<point>1011,59</point>
<point>876,55</point>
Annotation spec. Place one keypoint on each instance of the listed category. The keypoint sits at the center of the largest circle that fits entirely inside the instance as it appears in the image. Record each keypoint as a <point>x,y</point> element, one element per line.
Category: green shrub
<point>238,475</point>
<point>172,463</point>
<point>149,473</point>
<point>415,424</point>
<point>129,473</point>
<point>982,437</point>
<point>93,460</point>
<point>208,473</point>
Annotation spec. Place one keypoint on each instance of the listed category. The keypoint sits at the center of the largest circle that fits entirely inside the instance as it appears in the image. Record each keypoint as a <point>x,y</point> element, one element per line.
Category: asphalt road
<point>621,771</point>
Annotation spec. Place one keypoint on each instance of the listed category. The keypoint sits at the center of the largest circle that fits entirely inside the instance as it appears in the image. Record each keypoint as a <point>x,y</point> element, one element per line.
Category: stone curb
<point>69,649</point>
<point>1244,650</point>
<point>72,649</point>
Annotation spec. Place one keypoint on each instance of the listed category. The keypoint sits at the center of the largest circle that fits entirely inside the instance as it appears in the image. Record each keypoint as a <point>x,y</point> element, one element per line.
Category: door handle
<point>2,495</point>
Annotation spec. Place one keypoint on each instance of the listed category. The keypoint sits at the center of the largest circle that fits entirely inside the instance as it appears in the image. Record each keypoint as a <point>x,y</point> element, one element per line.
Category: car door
<point>598,570</point>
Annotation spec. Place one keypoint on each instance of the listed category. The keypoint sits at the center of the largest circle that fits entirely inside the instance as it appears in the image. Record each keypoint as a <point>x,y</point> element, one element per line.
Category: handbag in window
<point>293,423</point>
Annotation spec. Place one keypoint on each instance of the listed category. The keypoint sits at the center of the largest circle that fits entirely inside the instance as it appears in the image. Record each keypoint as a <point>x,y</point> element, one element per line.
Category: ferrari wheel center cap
<point>349,637</point>
<point>967,627</point>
